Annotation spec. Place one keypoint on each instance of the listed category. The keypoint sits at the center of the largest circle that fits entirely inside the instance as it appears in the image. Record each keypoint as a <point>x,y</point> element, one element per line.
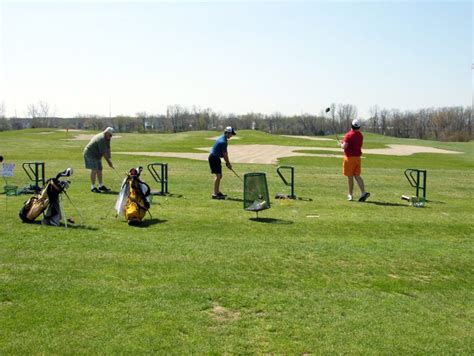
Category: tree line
<point>444,124</point>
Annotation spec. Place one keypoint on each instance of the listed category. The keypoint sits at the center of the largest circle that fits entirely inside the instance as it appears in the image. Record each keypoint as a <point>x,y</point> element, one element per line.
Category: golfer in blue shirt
<point>218,151</point>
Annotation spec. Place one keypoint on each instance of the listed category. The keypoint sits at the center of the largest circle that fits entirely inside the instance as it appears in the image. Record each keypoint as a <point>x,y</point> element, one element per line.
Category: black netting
<point>256,195</point>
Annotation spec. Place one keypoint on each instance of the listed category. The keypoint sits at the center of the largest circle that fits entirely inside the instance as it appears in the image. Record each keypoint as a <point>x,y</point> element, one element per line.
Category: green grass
<point>203,277</point>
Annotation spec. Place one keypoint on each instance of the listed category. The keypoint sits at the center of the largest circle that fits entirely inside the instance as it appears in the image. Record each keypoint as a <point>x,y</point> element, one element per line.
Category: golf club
<point>118,175</point>
<point>236,174</point>
<point>75,207</point>
<point>328,109</point>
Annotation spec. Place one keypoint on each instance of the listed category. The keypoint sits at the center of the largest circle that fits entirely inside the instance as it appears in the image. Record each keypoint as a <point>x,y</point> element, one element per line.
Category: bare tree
<point>346,113</point>
<point>384,116</point>
<point>334,124</point>
<point>374,119</point>
<point>143,116</point>
<point>175,114</point>
<point>2,110</point>
<point>44,109</point>
<point>32,111</point>
<point>39,109</point>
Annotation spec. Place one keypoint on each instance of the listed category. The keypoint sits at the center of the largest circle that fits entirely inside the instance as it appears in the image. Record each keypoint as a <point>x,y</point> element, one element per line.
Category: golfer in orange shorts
<point>352,146</point>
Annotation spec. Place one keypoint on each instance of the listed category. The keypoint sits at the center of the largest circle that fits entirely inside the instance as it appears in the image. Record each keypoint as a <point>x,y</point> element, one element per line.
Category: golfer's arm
<point>344,145</point>
<point>226,158</point>
<point>108,156</point>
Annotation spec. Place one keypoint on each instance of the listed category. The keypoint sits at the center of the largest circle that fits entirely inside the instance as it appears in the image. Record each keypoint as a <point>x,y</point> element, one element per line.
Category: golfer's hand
<point>228,165</point>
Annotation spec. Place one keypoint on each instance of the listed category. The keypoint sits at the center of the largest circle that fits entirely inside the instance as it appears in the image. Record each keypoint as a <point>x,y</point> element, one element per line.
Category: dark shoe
<point>221,195</point>
<point>218,197</point>
<point>95,190</point>
<point>104,188</point>
<point>364,197</point>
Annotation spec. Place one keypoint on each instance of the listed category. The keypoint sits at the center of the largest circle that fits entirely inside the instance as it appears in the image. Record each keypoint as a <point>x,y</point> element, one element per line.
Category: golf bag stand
<point>35,172</point>
<point>162,178</point>
<point>417,179</point>
<point>291,183</point>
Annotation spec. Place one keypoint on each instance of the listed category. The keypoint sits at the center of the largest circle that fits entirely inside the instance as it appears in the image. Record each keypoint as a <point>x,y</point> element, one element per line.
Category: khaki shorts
<point>93,163</point>
<point>351,166</point>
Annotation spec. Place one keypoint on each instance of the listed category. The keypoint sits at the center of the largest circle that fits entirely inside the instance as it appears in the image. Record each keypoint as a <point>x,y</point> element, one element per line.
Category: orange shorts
<point>351,166</point>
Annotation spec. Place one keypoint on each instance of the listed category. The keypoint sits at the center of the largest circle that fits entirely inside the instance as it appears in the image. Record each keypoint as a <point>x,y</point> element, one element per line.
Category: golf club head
<point>66,173</point>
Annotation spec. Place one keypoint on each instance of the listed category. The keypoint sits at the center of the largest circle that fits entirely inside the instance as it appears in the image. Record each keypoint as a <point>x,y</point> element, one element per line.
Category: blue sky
<point>234,57</point>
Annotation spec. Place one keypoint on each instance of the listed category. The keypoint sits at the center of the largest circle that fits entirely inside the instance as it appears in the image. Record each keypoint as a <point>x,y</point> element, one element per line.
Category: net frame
<point>256,195</point>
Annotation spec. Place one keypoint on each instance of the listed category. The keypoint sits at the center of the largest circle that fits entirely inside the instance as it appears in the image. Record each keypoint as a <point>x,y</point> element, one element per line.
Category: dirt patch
<point>223,315</point>
<point>269,154</point>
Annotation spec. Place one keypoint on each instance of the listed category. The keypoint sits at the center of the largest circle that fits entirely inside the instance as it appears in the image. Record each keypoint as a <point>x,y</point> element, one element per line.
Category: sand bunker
<point>85,137</point>
<point>406,150</point>
<point>314,138</point>
<point>215,138</point>
<point>269,154</point>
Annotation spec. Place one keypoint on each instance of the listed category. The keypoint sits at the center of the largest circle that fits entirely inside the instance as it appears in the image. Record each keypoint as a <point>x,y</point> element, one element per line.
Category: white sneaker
<point>349,197</point>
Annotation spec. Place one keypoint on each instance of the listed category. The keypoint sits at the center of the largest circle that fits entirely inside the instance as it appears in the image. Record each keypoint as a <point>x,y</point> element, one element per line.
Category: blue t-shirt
<point>220,147</point>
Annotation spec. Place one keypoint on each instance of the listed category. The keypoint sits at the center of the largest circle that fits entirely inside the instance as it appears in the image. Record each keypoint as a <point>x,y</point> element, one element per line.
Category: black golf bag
<point>47,200</point>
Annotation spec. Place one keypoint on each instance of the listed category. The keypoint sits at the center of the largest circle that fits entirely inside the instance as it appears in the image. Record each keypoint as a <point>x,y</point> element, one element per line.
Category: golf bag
<point>134,198</point>
<point>46,200</point>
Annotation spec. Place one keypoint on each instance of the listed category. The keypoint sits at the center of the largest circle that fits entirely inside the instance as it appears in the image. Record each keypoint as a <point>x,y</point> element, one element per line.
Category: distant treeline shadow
<point>234,199</point>
<point>70,225</point>
<point>149,222</point>
<point>110,192</point>
<point>272,221</point>
<point>385,203</point>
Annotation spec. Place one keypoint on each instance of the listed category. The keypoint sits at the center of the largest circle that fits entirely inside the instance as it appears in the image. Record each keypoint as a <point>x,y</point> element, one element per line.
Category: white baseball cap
<point>230,130</point>
<point>356,123</point>
<point>109,130</point>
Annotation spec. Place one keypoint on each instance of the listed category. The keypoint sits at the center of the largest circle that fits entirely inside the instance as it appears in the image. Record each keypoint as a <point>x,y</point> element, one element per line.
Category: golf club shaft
<point>118,175</point>
<point>236,174</point>
<point>328,109</point>
<point>75,207</point>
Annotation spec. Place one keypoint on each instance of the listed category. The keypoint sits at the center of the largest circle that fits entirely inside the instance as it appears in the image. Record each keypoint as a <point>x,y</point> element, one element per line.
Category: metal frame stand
<point>35,172</point>
<point>162,179</point>
<point>415,181</point>
<point>292,181</point>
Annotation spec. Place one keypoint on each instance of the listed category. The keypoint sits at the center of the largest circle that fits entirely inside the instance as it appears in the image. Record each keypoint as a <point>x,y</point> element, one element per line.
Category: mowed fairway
<point>201,276</point>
